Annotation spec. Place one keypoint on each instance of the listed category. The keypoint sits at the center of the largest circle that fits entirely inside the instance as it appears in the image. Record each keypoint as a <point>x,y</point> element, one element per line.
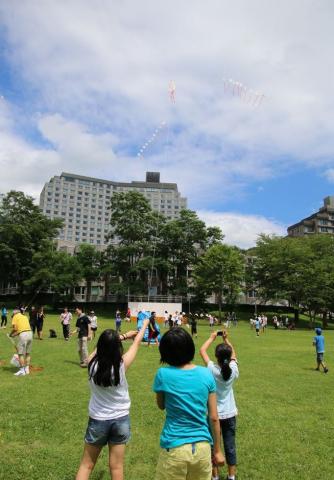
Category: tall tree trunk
<point>325,319</point>
<point>220,295</point>
<point>88,290</point>
<point>296,312</point>
<point>106,286</point>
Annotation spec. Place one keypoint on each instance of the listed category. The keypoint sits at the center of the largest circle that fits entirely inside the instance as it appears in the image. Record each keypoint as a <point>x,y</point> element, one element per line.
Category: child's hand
<point>225,334</point>
<point>131,334</point>
<point>219,458</point>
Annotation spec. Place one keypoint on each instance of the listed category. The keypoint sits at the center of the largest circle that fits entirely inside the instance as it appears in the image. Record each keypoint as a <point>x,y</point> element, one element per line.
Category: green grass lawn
<point>285,423</point>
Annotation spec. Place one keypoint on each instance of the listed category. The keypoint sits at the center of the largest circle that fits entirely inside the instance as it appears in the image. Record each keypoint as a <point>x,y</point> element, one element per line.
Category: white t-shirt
<point>225,397</point>
<point>66,318</point>
<point>107,403</point>
<point>93,321</point>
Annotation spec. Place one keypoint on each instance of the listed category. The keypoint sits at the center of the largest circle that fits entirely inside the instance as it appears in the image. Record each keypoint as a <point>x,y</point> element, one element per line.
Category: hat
<point>92,311</point>
<point>318,331</point>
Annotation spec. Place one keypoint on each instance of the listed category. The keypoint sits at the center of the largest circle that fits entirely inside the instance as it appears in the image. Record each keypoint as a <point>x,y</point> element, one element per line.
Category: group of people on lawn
<point>190,394</point>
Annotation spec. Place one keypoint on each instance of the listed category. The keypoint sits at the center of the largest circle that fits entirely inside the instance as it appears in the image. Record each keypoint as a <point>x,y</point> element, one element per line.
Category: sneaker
<point>326,370</point>
<point>20,373</point>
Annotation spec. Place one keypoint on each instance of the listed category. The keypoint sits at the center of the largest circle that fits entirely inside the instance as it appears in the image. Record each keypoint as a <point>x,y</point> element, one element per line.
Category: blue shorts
<point>115,432</point>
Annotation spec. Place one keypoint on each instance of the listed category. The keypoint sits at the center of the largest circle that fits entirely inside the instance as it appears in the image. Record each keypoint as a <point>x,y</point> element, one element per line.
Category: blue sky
<point>85,85</point>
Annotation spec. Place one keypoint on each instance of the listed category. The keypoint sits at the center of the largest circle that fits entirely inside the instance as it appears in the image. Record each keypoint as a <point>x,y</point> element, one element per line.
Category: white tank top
<point>107,403</point>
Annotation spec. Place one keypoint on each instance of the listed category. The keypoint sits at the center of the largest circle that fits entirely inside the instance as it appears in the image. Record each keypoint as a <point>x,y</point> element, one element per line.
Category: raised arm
<point>123,336</point>
<point>130,355</point>
<point>215,429</point>
<point>226,340</point>
<point>205,346</point>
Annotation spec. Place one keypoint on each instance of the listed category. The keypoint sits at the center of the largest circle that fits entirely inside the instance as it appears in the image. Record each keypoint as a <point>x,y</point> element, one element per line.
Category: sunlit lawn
<point>285,424</point>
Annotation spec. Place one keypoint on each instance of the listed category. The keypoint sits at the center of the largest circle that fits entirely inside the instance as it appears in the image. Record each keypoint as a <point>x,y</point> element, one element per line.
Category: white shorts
<point>24,343</point>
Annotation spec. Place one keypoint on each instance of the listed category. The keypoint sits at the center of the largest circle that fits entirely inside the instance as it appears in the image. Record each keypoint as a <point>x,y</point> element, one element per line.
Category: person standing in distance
<point>21,329</point>
<point>319,343</point>
<point>93,322</point>
<point>166,317</point>
<point>3,317</point>
<point>83,329</point>
<point>193,323</point>
<point>40,322</point>
<point>152,330</point>
<point>118,321</point>
<point>33,319</point>
<point>65,320</point>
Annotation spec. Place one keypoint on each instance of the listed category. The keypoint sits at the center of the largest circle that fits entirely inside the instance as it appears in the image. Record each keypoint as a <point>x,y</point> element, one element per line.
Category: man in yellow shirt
<point>21,329</point>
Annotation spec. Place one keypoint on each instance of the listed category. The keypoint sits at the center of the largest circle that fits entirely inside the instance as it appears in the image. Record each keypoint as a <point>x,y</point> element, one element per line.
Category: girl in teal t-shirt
<point>187,393</point>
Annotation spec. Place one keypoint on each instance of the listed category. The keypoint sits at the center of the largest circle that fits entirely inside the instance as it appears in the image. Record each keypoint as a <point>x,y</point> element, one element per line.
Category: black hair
<point>104,366</point>
<point>223,355</point>
<point>176,347</point>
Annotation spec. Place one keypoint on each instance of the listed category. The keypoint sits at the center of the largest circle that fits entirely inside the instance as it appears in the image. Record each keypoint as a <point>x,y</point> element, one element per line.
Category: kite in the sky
<point>246,94</point>
<point>172,90</point>
<point>152,139</point>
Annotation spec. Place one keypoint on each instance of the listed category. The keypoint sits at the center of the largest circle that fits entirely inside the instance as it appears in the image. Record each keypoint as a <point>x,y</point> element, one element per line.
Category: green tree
<point>221,270</point>
<point>53,270</point>
<point>89,259</point>
<point>134,235</point>
<point>299,270</point>
<point>183,241</point>
<point>23,229</point>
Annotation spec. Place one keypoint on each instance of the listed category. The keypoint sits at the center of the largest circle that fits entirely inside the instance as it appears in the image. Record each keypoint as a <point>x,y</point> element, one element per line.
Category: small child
<point>118,321</point>
<point>224,373</point>
<point>109,404</point>
<point>319,343</point>
<point>187,392</point>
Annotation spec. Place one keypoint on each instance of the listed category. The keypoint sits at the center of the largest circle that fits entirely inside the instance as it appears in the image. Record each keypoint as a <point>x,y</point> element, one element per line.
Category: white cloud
<point>239,229</point>
<point>329,175</point>
<point>99,72</point>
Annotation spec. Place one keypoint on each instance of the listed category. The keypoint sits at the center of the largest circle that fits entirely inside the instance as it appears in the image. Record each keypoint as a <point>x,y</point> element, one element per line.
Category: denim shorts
<point>115,432</point>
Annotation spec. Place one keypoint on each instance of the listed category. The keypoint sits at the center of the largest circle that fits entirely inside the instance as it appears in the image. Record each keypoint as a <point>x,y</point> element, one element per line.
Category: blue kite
<point>142,315</point>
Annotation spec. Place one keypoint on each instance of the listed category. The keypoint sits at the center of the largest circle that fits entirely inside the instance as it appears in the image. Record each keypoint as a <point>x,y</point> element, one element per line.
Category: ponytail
<point>223,355</point>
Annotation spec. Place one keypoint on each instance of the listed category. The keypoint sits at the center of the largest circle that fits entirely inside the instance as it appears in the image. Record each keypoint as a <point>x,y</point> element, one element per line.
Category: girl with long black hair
<point>109,404</point>
<point>224,372</point>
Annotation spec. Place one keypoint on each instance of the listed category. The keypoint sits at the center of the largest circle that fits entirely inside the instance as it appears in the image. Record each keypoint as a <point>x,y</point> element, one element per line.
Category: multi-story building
<point>320,222</point>
<point>83,204</point>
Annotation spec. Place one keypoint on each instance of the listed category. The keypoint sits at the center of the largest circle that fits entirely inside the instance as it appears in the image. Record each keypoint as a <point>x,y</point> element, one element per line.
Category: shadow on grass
<point>72,362</point>
<point>9,368</point>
